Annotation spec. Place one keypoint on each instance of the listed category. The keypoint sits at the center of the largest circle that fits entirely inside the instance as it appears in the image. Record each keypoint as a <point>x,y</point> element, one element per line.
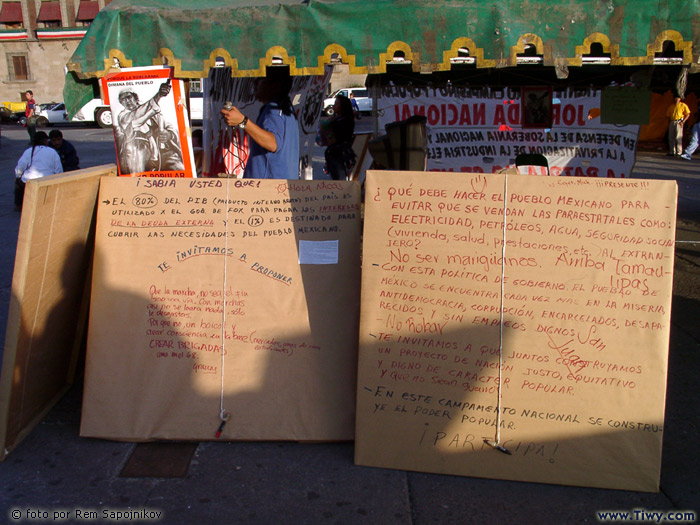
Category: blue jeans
<point>694,138</point>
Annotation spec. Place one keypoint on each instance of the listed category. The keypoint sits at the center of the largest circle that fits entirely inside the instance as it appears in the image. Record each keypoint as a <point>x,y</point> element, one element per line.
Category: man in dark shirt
<point>65,150</point>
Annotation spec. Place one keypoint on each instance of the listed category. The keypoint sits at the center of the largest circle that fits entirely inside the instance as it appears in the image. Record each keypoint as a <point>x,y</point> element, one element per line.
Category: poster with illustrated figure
<point>516,327</point>
<point>151,128</point>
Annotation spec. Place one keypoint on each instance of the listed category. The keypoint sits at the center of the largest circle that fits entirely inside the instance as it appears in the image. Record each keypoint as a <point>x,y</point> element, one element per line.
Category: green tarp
<point>191,34</point>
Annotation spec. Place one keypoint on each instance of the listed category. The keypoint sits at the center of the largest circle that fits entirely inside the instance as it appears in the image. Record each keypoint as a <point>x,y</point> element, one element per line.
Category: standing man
<point>274,151</point>
<point>677,114</point>
<point>30,114</point>
<point>65,150</point>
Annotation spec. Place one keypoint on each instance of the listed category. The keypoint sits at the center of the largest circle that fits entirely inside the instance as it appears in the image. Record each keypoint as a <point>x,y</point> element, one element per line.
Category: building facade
<point>37,38</point>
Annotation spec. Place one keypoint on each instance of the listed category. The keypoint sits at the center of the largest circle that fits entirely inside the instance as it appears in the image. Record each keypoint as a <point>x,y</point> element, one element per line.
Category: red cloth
<point>31,104</point>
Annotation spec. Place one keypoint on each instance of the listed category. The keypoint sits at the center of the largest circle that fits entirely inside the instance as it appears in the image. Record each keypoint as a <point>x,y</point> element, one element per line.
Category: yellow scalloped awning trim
<point>278,52</point>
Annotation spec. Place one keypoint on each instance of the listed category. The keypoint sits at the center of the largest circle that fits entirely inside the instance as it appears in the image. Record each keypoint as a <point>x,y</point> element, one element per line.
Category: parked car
<point>55,113</point>
<point>360,94</point>
<point>47,115</point>
<point>95,111</point>
<point>12,111</point>
<point>51,113</point>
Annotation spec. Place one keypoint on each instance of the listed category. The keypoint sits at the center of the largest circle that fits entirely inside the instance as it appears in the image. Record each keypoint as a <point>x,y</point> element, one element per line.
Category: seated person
<point>65,150</point>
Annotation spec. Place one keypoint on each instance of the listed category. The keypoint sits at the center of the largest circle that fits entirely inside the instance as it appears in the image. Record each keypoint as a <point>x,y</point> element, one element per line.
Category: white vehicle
<point>49,113</point>
<point>55,113</point>
<point>95,111</point>
<point>196,105</point>
<point>360,95</point>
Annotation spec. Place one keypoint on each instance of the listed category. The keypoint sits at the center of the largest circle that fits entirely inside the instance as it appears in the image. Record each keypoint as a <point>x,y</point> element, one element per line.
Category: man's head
<point>275,86</point>
<point>129,99</point>
<point>41,138</point>
<point>28,94</point>
<point>197,138</point>
<point>677,99</point>
<point>56,138</point>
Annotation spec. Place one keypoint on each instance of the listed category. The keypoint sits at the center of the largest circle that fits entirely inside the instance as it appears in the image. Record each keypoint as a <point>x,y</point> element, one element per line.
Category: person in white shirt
<point>36,162</point>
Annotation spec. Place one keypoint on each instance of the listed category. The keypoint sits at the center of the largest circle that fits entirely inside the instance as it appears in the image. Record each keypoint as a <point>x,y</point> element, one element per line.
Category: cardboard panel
<point>46,318</point>
<point>532,312</point>
<point>360,146</point>
<point>224,296</point>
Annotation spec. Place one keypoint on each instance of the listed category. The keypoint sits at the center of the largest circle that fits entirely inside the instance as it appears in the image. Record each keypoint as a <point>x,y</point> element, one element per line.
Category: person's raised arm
<point>262,137</point>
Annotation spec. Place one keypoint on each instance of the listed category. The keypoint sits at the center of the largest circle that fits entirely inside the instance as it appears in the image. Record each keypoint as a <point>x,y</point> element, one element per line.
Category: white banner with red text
<point>479,130</point>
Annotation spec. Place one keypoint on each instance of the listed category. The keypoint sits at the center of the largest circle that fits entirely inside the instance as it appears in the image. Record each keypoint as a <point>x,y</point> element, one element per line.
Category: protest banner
<point>480,130</point>
<point>223,296</point>
<point>227,148</point>
<point>529,313</point>
<point>151,129</point>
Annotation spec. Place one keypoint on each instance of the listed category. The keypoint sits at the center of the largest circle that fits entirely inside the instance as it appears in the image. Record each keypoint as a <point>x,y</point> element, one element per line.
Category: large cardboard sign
<point>48,308</point>
<point>151,129</point>
<point>226,296</point>
<point>480,130</point>
<point>529,312</point>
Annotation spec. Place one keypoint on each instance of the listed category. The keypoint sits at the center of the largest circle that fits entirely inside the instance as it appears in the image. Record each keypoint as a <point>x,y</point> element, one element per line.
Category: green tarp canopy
<point>366,34</point>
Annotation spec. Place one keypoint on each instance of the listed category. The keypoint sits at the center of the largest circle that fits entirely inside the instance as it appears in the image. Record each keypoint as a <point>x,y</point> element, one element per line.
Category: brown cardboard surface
<point>570,378</point>
<point>46,318</point>
<point>283,255</point>
<point>360,145</point>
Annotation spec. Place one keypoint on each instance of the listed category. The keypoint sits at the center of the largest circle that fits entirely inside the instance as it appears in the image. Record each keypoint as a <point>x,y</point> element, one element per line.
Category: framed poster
<point>151,131</point>
<point>537,106</point>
